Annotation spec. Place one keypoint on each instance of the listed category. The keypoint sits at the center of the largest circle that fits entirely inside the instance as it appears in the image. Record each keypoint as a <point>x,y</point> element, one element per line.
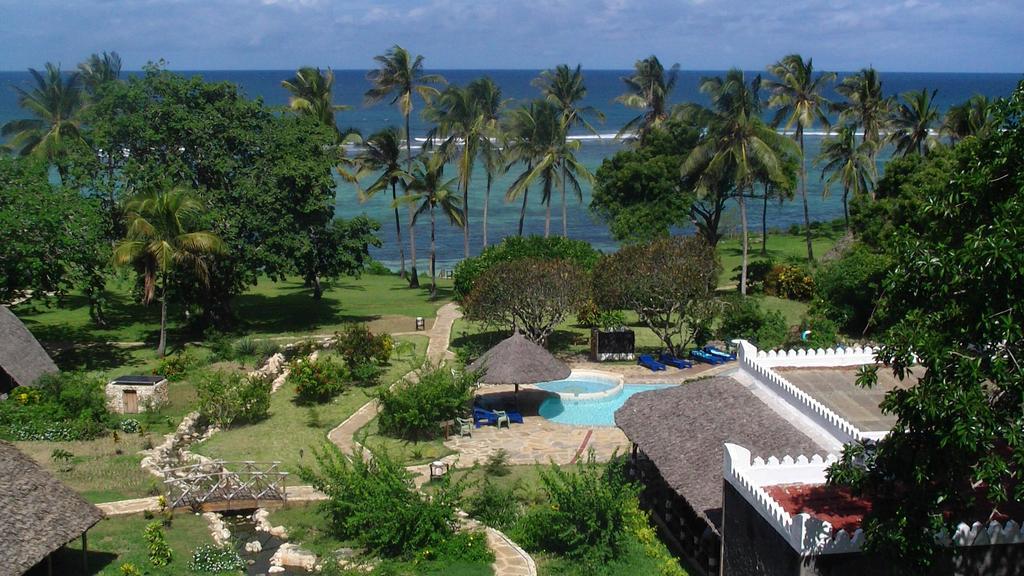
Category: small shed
<point>39,513</point>
<point>134,394</point>
<point>22,359</point>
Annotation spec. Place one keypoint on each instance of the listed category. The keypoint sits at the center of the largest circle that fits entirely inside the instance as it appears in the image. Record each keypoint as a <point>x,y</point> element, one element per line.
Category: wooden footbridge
<point>219,486</point>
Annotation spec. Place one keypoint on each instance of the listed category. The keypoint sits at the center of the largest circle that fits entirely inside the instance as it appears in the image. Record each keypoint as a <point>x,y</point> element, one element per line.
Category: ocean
<point>603,86</point>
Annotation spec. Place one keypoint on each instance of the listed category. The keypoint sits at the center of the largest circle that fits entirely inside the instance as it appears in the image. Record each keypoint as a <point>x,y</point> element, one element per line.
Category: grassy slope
<point>405,451</point>
<point>287,435</point>
<point>115,541</point>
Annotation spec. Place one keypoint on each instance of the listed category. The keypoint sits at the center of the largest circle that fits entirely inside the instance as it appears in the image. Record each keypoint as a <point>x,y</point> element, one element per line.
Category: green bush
<point>495,506</point>
<point>374,267</point>
<point>156,544</point>
<point>317,380</point>
<point>415,409</point>
<point>744,318</point>
<point>459,547</point>
<point>129,569</point>
<point>790,282</point>
<point>130,426</point>
<point>587,517</point>
<point>358,345</point>
<point>245,347</point>
<point>757,272</point>
<point>215,559</point>
<point>61,407</point>
<point>580,253</point>
<point>846,290</point>
<point>823,334</point>
<point>175,366</point>
<point>231,398</point>
<point>366,374</point>
<point>375,503</point>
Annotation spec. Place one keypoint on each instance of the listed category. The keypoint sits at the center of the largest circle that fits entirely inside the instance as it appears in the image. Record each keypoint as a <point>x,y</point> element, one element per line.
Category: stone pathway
<point>126,507</point>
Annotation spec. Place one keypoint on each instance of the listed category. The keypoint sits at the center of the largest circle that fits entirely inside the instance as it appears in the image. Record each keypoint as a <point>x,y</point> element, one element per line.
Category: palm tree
<point>648,89</point>
<point>161,238</point>
<point>382,151</point>
<point>796,92</point>
<point>565,87</point>
<point>98,69</point>
<point>866,106</point>
<point>850,164</point>
<point>431,191</point>
<point>739,145</point>
<point>312,94</point>
<point>971,118</point>
<point>56,102</point>
<point>487,95</point>
<point>912,121</point>
<point>533,130</point>
<point>401,75</point>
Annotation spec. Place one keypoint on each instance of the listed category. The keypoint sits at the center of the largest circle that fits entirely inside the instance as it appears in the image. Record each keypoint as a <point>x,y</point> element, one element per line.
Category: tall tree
<point>312,94</point>
<point>382,152</point>
<point>848,163</point>
<point>162,237</point>
<point>488,97</point>
<point>98,69</point>
<point>648,89</point>
<point>533,130</point>
<point>971,118</point>
<point>739,146</point>
<point>565,87</point>
<point>55,101</point>
<point>797,93</point>
<point>401,76</point>
<point>866,105</point>
<point>912,121</point>
<point>431,191</point>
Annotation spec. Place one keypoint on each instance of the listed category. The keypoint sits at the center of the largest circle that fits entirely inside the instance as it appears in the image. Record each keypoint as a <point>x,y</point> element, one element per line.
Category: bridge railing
<point>220,484</point>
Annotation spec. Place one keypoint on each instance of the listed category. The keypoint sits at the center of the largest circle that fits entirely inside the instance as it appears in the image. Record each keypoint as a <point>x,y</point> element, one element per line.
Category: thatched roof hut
<point>682,431</point>
<point>516,360</point>
<point>22,359</point>
<point>38,513</point>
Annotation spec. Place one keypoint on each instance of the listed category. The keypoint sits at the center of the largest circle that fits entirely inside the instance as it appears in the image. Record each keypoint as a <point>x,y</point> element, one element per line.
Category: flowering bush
<point>130,426</point>
<point>359,346</point>
<point>175,366</point>
<point>316,380</point>
<point>61,407</point>
<point>216,559</point>
<point>790,282</point>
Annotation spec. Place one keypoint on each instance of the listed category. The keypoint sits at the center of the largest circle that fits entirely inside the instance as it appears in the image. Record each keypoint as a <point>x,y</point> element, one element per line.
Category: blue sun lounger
<point>719,353</point>
<point>676,362</point>
<point>483,416</point>
<point>648,361</point>
<point>706,358</point>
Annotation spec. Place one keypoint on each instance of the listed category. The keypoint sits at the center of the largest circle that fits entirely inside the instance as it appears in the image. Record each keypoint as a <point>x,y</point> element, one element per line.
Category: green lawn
<point>632,562</point>
<point>117,541</point>
<point>307,527</point>
<point>782,247</point>
<point>404,451</point>
<point>291,431</point>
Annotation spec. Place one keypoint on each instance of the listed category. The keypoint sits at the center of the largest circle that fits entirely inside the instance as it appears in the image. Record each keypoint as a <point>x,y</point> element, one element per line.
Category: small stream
<point>243,530</point>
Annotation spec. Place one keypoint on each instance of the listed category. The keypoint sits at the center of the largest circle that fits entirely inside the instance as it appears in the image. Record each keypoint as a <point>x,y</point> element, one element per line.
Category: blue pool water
<point>578,385</point>
<point>592,412</point>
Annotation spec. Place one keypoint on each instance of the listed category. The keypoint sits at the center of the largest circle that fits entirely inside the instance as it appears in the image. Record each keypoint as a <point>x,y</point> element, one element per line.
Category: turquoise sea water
<point>593,412</point>
<point>603,86</point>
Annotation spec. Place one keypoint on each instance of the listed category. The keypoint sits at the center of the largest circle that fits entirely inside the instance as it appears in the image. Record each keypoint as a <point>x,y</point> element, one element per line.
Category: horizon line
<point>681,70</point>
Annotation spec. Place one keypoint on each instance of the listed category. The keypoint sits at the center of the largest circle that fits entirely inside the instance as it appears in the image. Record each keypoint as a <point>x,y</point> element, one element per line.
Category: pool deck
<point>636,374</point>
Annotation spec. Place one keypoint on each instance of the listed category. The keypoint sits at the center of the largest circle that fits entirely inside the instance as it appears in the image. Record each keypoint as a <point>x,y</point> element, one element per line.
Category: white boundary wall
<point>759,365</point>
<point>808,535</point>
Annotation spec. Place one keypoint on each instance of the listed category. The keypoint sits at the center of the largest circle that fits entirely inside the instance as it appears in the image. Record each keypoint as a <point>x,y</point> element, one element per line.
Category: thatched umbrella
<point>516,360</point>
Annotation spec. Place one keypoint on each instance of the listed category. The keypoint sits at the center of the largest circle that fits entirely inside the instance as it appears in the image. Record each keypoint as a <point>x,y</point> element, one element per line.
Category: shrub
<point>744,318</point>
<point>514,248</point>
<point>129,569</point>
<point>414,409</point>
<point>221,347</point>
<point>495,506</point>
<point>790,282</point>
<point>245,347</point>
<point>130,426</point>
<point>366,374</point>
<point>459,547</point>
<point>757,272</point>
<point>374,267</point>
<point>61,407</point>
<point>316,380</point>
<point>497,463</point>
<point>359,346</point>
<point>587,516</point>
<point>64,460</point>
<point>228,398</point>
<point>823,334</point>
<point>374,502</point>
<point>215,559</point>
<point>846,290</point>
<point>156,545</point>
<point>175,366</point>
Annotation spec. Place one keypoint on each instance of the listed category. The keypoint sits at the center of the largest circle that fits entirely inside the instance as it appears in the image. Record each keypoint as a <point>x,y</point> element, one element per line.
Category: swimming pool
<point>599,412</point>
<point>585,385</point>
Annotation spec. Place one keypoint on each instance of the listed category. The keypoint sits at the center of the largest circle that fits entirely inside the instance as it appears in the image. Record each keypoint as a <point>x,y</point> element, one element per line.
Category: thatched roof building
<point>516,360</point>
<point>38,513</point>
<point>682,432</point>
<point>22,359</point>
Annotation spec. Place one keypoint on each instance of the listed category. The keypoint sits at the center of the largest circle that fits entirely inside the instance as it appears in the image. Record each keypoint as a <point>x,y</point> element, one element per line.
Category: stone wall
<point>153,395</point>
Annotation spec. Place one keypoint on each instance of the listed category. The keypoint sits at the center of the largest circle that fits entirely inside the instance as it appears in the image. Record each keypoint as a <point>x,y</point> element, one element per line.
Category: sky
<point>891,35</point>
